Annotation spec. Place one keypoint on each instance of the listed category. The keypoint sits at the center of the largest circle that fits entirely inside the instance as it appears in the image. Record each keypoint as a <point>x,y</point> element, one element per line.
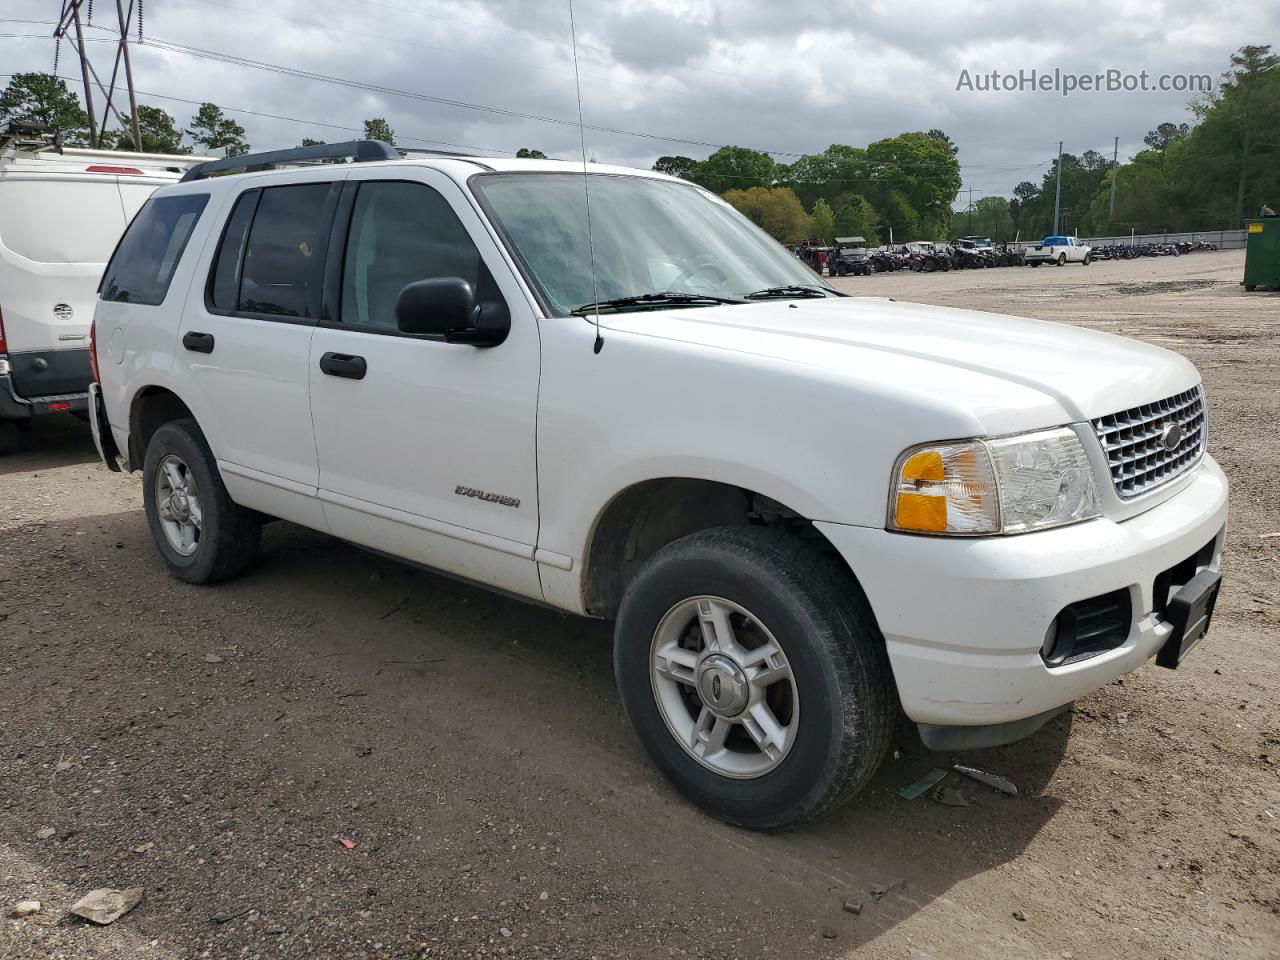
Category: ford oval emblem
<point>63,311</point>
<point>1171,436</point>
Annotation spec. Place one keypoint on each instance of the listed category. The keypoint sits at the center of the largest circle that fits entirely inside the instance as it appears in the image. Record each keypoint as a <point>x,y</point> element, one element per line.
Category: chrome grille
<point>1137,444</point>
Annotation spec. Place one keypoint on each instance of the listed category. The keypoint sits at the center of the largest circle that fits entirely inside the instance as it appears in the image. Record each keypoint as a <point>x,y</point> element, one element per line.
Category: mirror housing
<point>445,308</point>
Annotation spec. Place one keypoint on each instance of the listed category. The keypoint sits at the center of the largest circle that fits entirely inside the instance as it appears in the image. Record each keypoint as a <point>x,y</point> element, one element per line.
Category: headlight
<point>1015,484</point>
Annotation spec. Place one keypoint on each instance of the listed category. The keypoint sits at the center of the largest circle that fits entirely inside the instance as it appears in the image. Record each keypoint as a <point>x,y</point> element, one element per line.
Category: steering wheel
<point>710,268</point>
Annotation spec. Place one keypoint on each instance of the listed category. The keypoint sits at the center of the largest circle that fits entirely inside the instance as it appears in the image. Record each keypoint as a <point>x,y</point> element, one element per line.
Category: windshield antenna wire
<point>586,190</point>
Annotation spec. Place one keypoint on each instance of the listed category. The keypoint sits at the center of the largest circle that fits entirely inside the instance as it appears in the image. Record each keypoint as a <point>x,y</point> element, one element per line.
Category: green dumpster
<point>1262,253</point>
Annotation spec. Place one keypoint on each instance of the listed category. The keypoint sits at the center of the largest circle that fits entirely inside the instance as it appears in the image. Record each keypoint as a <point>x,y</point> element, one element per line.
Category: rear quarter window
<point>143,265</point>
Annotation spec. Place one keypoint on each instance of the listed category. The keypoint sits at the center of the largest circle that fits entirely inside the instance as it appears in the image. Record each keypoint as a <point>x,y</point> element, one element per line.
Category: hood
<point>1084,372</point>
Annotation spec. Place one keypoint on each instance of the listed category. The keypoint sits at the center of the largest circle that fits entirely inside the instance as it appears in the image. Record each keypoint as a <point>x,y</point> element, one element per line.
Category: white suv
<point>800,508</point>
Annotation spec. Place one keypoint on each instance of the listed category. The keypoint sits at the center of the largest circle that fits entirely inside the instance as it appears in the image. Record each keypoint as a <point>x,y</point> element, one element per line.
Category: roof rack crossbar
<point>358,150</point>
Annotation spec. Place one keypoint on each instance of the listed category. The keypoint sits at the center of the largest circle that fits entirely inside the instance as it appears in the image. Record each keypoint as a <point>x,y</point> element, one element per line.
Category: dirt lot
<point>214,745</point>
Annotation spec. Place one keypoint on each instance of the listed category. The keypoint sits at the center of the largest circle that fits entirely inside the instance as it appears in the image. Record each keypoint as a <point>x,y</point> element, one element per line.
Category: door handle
<point>343,365</point>
<point>198,342</point>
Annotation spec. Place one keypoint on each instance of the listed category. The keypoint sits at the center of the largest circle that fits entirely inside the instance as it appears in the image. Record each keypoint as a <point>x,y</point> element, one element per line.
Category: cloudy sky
<point>670,76</point>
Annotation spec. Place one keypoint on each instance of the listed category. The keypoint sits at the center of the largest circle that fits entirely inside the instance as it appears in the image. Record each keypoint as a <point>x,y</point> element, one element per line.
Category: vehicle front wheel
<point>753,672</point>
<point>1087,260</point>
<point>202,534</point>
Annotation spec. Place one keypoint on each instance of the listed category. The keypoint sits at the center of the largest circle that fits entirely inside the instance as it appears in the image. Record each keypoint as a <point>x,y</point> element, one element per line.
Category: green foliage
<point>158,130</point>
<point>822,221</point>
<point>735,168</point>
<point>988,218</point>
<point>777,210</point>
<point>1166,134</point>
<point>528,153</point>
<point>856,217</point>
<point>211,129</point>
<point>682,167</point>
<point>377,128</point>
<point>311,142</point>
<point>909,181</point>
<point>1206,175</point>
<point>45,99</point>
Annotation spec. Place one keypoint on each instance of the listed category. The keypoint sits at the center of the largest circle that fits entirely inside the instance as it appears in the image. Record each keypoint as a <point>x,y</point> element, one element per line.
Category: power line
<point>310,123</point>
<point>235,60</point>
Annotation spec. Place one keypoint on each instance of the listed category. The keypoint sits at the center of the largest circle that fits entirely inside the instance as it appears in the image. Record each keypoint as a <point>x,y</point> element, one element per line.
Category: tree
<point>159,133</point>
<point>936,134</point>
<point>822,221</point>
<point>528,153</point>
<point>777,210</point>
<point>735,168</point>
<point>377,128</point>
<point>211,129</point>
<point>855,217</point>
<point>916,176</point>
<point>1166,134</point>
<point>682,167</point>
<point>311,142</point>
<point>45,99</point>
<point>990,218</point>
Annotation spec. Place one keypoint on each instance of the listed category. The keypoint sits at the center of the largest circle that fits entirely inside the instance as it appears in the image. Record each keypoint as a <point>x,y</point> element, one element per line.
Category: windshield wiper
<point>790,290</point>
<point>668,299</point>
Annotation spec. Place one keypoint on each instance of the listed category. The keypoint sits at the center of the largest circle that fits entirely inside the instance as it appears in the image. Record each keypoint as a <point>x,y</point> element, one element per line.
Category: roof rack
<point>358,150</point>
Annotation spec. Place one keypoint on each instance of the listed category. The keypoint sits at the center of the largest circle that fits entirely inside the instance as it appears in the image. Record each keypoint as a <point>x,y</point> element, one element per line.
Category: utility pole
<point>1057,200</point>
<point>970,210</point>
<point>74,10</point>
<point>70,18</point>
<point>1115,162</point>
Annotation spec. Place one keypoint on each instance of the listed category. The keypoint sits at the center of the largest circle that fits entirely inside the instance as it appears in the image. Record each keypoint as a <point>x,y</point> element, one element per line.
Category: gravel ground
<point>215,746</point>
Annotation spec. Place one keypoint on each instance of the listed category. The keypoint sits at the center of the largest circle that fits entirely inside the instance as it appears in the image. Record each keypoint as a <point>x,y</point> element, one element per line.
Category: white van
<point>61,214</point>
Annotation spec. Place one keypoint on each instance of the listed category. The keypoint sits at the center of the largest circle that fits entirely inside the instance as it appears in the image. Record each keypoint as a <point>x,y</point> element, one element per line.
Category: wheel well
<point>152,408</point>
<point>645,517</point>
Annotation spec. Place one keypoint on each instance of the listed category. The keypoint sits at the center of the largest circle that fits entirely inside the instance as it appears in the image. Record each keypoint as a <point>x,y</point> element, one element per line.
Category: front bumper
<point>964,619</point>
<point>15,407</point>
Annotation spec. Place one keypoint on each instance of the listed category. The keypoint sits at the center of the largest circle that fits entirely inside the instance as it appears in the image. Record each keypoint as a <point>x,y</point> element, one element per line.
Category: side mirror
<point>445,307</point>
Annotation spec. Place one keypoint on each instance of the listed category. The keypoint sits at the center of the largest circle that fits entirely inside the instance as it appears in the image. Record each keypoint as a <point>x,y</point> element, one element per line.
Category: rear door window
<point>142,267</point>
<point>283,262</point>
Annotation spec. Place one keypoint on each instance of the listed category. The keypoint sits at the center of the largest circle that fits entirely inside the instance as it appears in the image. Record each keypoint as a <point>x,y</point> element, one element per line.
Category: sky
<point>786,77</point>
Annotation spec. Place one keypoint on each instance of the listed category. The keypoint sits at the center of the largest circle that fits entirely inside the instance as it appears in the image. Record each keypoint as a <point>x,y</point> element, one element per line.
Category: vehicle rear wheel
<point>8,436</point>
<point>1062,259</point>
<point>754,674</point>
<point>202,534</point>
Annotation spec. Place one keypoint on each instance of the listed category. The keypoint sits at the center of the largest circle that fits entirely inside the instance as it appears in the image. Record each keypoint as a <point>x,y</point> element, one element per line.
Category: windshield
<point>650,237</point>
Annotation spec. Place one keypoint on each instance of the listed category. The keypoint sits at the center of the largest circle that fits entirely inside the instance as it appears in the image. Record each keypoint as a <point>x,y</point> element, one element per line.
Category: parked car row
<point>1132,251</point>
<point>849,256</point>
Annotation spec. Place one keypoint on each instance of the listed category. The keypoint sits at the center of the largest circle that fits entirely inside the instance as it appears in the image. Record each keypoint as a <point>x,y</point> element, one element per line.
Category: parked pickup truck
<point>801,509</point>
<point>1059,250</point>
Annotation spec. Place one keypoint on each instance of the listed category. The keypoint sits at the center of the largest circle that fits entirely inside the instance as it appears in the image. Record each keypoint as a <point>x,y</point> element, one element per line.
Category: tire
<point>226,537</point>
<point>837,703</point>
<point>1088,259</point>
<point>1062,259</point>
<point>8,437</point>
